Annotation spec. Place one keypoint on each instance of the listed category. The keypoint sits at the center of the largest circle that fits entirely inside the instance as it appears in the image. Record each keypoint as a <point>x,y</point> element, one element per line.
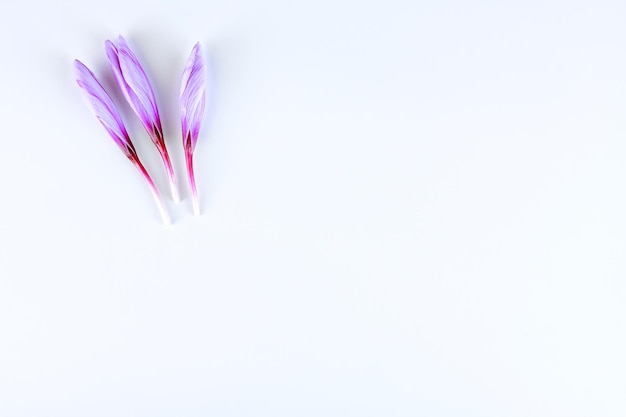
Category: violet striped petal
<point>102,106</point>
<point>134,83</point>
<point>193,97</point>
<point>192,101</point>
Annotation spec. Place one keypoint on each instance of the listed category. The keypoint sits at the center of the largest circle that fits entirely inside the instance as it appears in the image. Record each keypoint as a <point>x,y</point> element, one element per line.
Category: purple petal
<point>103,107</point>
<point>192,97</point>
<point>135,85</point>
<point>131,97</point>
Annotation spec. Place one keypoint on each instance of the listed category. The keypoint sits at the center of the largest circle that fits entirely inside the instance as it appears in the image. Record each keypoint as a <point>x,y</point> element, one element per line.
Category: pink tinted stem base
<point>165,216</point>
<point>192,183</point>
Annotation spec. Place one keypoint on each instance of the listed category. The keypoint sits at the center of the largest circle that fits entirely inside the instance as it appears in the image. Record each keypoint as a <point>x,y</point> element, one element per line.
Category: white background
<point>409,209</point>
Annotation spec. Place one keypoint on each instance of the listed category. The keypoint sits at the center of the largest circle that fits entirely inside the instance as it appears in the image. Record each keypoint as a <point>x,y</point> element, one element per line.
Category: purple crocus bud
<point>192,102</point>
<point>138,91</point>
<point>103,107</point>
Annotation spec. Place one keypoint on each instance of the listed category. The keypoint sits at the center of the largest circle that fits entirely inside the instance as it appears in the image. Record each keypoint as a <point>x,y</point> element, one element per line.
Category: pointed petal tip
<point>79,68</point>
<point>197,49</point>
<point>83,74</point>
<point>112,55</point>
<point>108,45</point>
<point>122,42</point>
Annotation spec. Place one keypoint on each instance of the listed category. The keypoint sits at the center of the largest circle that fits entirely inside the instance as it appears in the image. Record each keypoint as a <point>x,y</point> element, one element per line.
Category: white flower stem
<point>165,216</point>
<point>174,189</point>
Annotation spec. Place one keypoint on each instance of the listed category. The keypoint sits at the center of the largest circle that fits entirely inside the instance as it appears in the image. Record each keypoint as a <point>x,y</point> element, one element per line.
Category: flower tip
<point>83,74</point>
<point>108,45</point>
<point>122,42</point>
<point>197,49</point>
<point>112,54</point>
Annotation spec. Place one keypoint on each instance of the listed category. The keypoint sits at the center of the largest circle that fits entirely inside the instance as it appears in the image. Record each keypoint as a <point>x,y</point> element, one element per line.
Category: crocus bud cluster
<point>136,88</point>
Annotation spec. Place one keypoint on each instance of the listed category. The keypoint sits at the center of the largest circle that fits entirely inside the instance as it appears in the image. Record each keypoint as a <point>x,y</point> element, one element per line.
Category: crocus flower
<point>192,101</point>
<point>108,115</point>
<point>137,89</point>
